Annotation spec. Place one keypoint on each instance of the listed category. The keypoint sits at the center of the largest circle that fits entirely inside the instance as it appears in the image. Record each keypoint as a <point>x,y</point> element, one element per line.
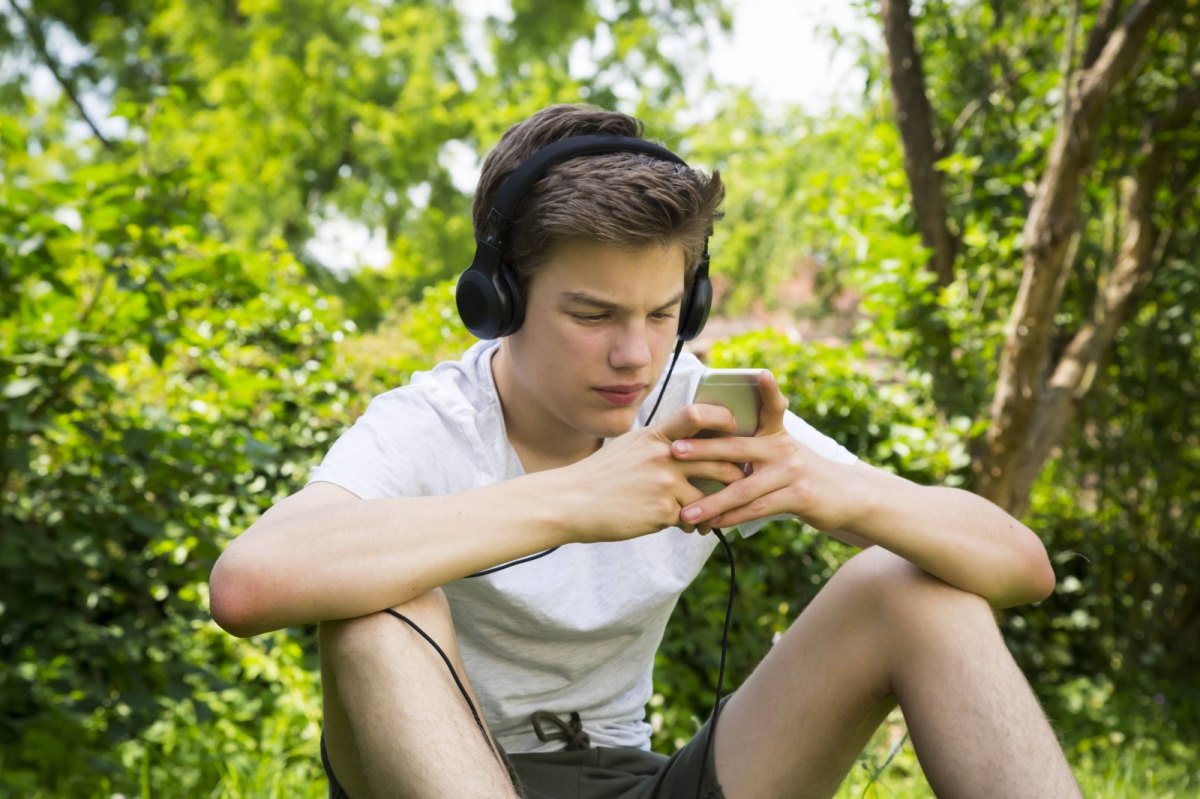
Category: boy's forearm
<point>352,558</point>
<point>958,537</point>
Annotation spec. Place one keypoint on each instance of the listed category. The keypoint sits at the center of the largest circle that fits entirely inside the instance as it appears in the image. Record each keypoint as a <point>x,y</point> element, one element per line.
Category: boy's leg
<point>882,631</point>
<point>395,723</point>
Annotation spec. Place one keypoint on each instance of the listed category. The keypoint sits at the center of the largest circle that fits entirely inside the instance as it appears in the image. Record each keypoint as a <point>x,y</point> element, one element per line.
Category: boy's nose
<point>632,349</point>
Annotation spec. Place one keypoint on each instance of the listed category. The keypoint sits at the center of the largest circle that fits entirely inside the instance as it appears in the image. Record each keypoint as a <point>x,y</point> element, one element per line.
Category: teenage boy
<point>538,439</point>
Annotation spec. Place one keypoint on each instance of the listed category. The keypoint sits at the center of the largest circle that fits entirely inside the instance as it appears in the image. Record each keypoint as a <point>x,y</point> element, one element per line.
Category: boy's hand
<point>634,485</point>
<point>783,475</point>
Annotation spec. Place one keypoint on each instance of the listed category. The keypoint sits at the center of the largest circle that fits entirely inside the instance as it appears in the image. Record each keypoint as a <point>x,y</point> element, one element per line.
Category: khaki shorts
<point>603,773</point>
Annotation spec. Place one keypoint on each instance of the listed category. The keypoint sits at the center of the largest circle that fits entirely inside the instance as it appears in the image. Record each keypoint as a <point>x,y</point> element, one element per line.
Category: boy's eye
<point>583,317</point>
<point>663,315</point>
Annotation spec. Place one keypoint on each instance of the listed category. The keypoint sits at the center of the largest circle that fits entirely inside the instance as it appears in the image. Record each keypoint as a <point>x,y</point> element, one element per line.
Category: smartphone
<point>737,390</point>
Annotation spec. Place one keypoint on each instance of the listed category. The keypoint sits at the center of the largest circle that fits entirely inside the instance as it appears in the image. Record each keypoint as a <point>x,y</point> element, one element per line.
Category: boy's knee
<point>431,607</point>
<point>374,634</point>
<point>901,595</point>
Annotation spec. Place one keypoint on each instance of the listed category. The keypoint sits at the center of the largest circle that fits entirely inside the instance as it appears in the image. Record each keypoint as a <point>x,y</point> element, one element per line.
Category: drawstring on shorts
<point>571,733</point>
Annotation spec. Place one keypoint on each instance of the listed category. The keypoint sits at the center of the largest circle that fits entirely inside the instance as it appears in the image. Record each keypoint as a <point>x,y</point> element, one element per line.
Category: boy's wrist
<point>559,509</point>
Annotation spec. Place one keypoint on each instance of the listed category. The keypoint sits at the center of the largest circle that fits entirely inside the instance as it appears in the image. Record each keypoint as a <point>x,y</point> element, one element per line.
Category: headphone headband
<point>488,295</point>
<point>521,180</point>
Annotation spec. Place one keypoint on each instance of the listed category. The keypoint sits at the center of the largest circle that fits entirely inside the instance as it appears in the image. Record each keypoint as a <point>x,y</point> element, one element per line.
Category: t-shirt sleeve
<point>815,440</point>
<point>371,460</point>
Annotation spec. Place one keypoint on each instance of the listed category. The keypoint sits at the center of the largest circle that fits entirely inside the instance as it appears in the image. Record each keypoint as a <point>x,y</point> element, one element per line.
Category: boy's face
<point>600,323</point>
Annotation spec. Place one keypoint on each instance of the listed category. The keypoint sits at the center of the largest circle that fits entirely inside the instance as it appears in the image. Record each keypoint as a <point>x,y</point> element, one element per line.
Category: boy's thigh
<point>391,701</point>
<point>797,724</point>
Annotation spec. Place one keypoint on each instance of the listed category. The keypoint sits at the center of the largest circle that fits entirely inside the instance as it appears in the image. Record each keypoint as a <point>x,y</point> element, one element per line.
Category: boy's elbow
<point>232,592</point>
<point>1030,578</point>
<point>1036,576</point>
<point>1043,579</point>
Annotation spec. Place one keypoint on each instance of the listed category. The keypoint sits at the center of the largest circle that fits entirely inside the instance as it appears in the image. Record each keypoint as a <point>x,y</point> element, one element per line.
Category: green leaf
<point>20,387</point>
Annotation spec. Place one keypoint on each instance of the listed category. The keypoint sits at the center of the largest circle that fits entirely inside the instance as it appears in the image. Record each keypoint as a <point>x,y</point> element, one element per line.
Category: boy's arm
<point>323,553</point>
<point>952,534</point>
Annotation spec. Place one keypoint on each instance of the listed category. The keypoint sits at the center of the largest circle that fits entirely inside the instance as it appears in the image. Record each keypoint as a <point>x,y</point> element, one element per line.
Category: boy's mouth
<point>623,394</point>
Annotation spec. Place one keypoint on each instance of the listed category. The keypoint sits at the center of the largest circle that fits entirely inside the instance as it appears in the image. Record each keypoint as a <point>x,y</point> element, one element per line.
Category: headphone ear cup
<point>475,297</point>
<point>696,306</point>
<point>514,301</point>
<point>488,299</point>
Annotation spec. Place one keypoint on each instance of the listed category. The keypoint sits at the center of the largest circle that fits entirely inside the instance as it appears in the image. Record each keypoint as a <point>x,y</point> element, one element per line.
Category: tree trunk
<point>1010,454</point>
<point>1115,297</point>
<point>914,117</point>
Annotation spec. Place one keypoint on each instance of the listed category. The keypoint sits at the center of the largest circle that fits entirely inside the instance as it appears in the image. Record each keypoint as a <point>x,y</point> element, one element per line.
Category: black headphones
<point>489,297</point>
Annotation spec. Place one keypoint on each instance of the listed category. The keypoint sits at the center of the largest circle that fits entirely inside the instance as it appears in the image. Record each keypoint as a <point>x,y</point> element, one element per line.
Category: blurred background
<point>963,235</point>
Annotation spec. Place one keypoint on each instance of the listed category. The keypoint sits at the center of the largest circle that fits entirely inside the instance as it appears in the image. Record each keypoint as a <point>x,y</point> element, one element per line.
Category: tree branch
<point>960,124</point>
<point>1117,56</point>
<point>914,117</point>
<point>1105,19</point>
<point>33,28</point>
<point>1067,63</point>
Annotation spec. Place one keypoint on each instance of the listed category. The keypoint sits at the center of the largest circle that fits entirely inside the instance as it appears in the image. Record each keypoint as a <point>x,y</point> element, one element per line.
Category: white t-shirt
<point>576,630</point>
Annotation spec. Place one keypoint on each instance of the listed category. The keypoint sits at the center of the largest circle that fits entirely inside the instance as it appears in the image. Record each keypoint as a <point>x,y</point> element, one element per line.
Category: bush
<point>158,390</point>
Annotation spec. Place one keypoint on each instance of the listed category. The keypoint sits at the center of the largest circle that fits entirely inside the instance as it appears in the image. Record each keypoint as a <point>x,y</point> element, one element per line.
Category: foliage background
<point>173,357</point>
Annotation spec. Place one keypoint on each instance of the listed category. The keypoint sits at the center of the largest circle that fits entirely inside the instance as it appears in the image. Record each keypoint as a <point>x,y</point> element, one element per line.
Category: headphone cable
<point>716,711</point>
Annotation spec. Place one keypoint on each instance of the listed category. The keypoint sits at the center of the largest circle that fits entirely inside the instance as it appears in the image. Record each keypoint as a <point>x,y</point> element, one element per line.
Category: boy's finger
<point>733,449</point>
<point>774,404</point>
<point>692,419</point>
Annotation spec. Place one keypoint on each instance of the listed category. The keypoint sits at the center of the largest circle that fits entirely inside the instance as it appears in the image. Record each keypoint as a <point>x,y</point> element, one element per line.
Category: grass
<point>888,769</point>
<point>1107,768</point>
<point>203,761</point>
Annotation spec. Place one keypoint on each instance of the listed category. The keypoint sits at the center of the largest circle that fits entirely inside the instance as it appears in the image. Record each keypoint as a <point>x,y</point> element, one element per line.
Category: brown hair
<point>622,199</point>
